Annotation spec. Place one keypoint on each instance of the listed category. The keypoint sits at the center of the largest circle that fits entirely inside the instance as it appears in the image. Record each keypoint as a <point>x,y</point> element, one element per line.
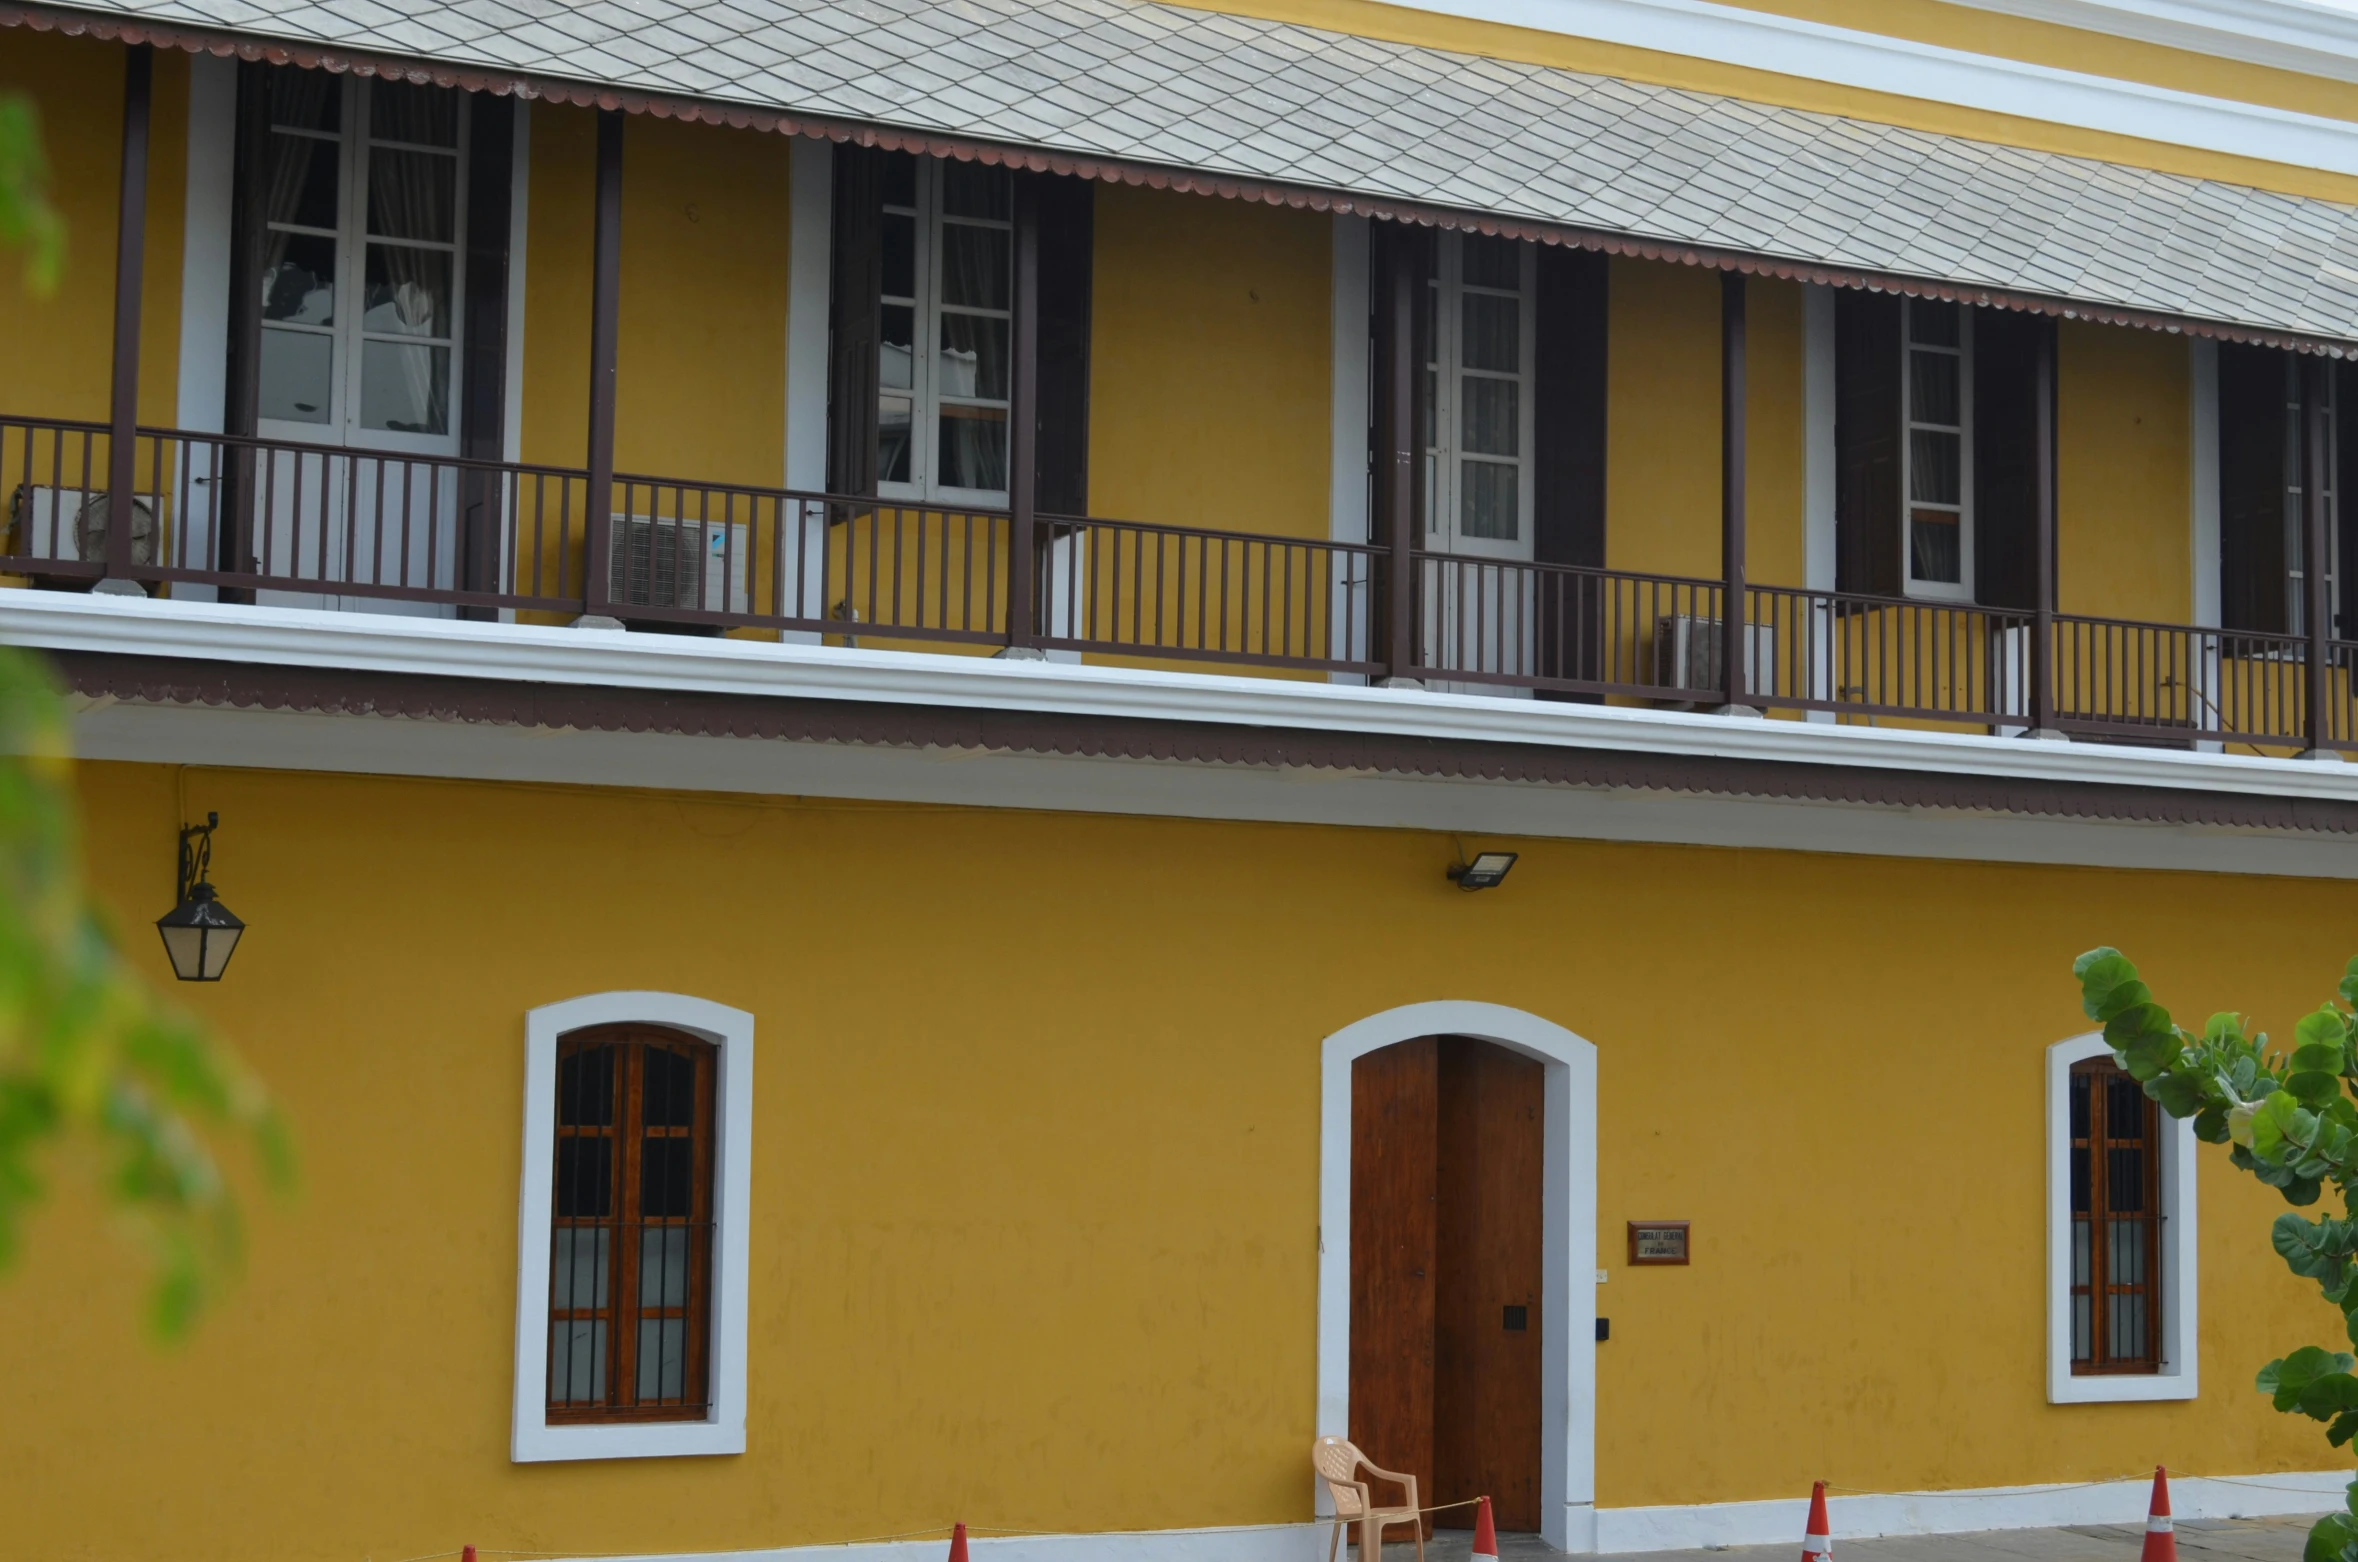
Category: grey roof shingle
<point>1149,83</point>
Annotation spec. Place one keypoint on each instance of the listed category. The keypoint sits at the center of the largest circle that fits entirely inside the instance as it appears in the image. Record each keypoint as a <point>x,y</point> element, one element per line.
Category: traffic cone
<point>1817,1542</point>
<point>2161,1531</point>
<point>957,1543</point>
<point>1485,1533</point>
<point>466,1554</point>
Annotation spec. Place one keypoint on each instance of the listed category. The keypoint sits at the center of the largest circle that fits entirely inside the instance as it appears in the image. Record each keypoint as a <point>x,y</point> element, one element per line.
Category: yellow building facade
<point>994,646</point>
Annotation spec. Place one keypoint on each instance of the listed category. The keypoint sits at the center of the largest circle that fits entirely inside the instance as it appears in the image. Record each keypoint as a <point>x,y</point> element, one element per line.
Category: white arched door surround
<point>1568,1206</point>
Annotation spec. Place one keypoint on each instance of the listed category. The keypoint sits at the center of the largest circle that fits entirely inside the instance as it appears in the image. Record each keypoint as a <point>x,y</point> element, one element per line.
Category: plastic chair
<point>1338,1463</point>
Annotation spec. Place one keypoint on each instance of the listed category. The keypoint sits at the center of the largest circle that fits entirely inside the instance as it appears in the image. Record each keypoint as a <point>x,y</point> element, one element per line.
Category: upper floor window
<point>362,205</point>
<point>2120,1230</point>
<point>1937,455</point>
<point>2115,1222</point>
<point>1477,396</point>
<point>2296,489</point>
<point>631,1228</point>
<point>946,330</point>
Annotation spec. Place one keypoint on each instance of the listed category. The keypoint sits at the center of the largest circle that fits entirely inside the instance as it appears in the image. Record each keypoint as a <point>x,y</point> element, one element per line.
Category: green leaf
<point>2225,1026</point>
<point>2314,1090</point>
<point>2320,1057</point>
<point>2103,973</point>
<point>2180,1095</point>
<point>2210,1125</point>
<point>2349,987</point>
<point>2329,1535</point>
<point>2144,1039</point>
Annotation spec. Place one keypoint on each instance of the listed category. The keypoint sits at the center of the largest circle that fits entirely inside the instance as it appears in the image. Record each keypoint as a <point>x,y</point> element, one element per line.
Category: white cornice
<point>2293,35</point>
<point>1731,35</point>
<point>382,643</point>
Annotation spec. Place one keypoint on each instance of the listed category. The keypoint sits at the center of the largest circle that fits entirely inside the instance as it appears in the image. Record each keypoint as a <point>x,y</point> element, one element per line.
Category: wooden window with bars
<point>630,1259</point>
<point>2116,1218</point>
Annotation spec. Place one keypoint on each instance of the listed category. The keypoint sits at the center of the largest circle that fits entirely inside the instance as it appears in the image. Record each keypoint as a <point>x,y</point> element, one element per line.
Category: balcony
<point>340,529</point>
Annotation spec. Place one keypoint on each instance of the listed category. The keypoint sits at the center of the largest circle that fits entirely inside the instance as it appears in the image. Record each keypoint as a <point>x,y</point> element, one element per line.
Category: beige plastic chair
<point>1338,1463</point>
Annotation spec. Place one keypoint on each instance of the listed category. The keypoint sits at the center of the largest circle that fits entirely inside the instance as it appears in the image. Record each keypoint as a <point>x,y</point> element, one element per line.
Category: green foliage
<point>88,1052</point>
<point>27,220</point>
<point>2288,1118</point>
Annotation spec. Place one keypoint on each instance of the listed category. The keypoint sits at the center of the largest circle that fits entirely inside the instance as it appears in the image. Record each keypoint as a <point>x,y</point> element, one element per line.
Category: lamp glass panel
<point>186,948</point>
<point>219,944</point>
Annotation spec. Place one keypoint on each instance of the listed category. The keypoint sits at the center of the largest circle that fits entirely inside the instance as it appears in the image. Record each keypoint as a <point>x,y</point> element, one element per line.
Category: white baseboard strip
<point>1680,1528</point>
<point>1692,1527</point>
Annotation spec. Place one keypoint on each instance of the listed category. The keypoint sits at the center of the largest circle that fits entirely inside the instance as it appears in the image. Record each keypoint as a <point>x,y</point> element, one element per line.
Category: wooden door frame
<point>1567,1451</point>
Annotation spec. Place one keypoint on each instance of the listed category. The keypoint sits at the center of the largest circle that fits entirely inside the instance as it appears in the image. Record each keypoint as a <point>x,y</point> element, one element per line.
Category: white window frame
<point>2296,495</point>
<point>722,1431</point>
<point>1444,512</point>
<point>1961,589</point>
<point>349,335</point>
<point>2180,1325</point>
<point>925,397</point>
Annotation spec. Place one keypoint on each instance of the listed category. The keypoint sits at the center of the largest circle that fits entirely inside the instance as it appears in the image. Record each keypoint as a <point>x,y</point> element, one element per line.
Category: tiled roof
<point>1166,87</point>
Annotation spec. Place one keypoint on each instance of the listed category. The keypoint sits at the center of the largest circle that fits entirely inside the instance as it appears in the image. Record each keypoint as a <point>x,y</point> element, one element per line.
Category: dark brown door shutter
<point>2345,516</point>
<point>855,284</point>
<point>483,368</point>
<point>1867,443</point>
<point>1568,457</point>
<point>1398,252</point>
<point>2252,470</point>
<point>2006,354</point>
<point>1068,237</point>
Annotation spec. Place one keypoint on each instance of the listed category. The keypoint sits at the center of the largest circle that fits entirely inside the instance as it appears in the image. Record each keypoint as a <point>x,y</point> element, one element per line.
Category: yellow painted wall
<point>2123,483</point>
<point>1210,363</point>
<point>700,364</point>
<point>1035,1162</point>
<point>59,354</point>
<point>1930,20</point>
<point>1662,419</point>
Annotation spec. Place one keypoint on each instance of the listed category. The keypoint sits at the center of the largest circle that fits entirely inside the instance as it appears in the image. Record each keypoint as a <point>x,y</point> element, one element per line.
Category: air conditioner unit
<point>69,524</point>
<point>680,564</point>
<point>1687,655</point>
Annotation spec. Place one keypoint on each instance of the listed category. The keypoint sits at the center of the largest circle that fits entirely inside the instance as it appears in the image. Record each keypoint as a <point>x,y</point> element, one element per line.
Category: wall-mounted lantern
<point>200,933</point>
<point>1488,870</point>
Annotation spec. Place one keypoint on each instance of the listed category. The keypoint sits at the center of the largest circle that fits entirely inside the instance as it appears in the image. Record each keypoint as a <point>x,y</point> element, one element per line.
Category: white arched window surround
<point>1568,1205</point>
<point>2179,1332</point>
<point>723,1430</point>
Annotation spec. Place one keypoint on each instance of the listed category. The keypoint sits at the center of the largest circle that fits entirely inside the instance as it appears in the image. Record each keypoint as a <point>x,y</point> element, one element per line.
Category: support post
<point>1735,634</point>
<point>2316,603</point>
<point>605,316</point>
<point>1397,483</point>
<point>122,469</point>
<point>1023,434</point>
<point>2042,638</point>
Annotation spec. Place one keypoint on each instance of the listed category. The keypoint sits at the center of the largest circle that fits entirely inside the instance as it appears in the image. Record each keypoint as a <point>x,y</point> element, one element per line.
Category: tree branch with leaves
<point>90,1054</point>
<point>2288,1118</point>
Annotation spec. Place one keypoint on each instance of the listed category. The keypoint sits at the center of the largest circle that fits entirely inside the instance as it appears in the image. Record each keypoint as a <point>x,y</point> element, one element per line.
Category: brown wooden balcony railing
<point>282,522</point>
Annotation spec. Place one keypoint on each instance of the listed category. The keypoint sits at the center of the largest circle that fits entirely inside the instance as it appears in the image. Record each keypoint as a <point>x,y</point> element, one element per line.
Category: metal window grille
<point>2116,1221</point>
<point>630,1245</point>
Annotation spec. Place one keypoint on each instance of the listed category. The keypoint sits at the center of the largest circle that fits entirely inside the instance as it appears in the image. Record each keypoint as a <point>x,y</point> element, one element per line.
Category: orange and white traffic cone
<point>2161,1531</point>
<point>1485,1534</point>
<point>1817,1542</point>
<point>957,1543</point>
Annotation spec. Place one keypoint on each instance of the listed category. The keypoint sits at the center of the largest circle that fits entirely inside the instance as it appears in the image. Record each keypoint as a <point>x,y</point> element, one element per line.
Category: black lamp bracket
<point>196,855</point>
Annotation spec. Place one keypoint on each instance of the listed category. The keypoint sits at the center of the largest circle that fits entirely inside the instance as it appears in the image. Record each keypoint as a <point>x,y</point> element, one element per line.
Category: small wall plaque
<point>1657,1242</point>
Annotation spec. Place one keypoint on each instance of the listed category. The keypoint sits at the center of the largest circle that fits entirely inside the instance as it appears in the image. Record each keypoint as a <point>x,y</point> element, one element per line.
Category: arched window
<point>2121,1290</point>
<point>630,1241</point>
<point>633,1228</point>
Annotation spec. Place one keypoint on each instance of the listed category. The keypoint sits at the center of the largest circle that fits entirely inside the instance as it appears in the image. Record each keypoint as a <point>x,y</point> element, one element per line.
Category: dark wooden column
<point>2316,605</point>
<point>1396,481</point>
<point>122,476</point>
<point>2041,661</point>
<point>605,316</point>
<point>1023,432</point>
<point>1734,635</point>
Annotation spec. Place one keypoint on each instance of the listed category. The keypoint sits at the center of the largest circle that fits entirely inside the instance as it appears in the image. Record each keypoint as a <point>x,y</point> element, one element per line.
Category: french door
<point>363,204</point>
<point>1480,607</point>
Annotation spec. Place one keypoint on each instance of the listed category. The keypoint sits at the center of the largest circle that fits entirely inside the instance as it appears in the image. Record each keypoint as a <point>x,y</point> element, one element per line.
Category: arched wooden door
<point>1447,1145</point>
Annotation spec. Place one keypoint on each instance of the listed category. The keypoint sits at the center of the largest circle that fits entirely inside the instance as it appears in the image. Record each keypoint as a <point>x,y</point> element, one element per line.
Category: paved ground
<point>2199,1540</point>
